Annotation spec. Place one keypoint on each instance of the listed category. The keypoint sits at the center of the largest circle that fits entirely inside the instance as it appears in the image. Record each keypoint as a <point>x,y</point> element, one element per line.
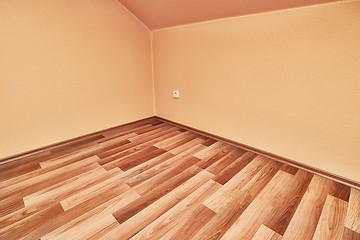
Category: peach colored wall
<point>287,82</point>
<point>68,68</point>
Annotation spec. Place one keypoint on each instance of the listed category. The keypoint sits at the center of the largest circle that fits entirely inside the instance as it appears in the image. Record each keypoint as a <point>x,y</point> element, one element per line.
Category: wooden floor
<point>152,180</point>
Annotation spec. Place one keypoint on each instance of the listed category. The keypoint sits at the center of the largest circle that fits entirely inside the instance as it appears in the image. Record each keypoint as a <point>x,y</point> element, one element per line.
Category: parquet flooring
<point>154,180</point>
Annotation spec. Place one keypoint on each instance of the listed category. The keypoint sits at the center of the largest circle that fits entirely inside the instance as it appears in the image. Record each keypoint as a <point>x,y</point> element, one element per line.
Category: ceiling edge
<point>250,15</point>
<point>133,15</point>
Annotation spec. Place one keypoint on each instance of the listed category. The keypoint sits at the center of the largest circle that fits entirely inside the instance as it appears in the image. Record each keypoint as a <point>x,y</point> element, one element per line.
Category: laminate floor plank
<point>128,157</point>
<point>209,142</point>
<point>209,152</point>
<point>104,231</point>
<point>332,219</point>
<point>25,212</point>
<point>59,163</point>
<point>181,146</point>
<point>114,142</point>
<point>172,162</point>
<point>132,148</point>
<point>86,228</point>
<point>289,169</point>
<point>342,192</point>
<point>139,141</point>
<point>155,180</point>
<point>310,208</point>
<point>146,129</point>
<point>118,132</point>
<point>219,199</point>
<point>246,226</point>
<point>170,222</point>
<point>166,175</point>
<point>56,191</point>
<point>24,158</point>
<point>9,207</point>
<point>230,206</point>
<point>75,145</point>
<point>200,217</point>
<point>107,206</point>
<point>93,190</point>
<point>233,168</point>
<point>155,131</point>
<point>137,160</point>
<point>153,127</point>
<point>133,225</point>
<point>18,170</point>
<point>23,227</point>
<point>35,184</point>
<point>216,154</point>
<point>56,220</point>
<point>353,215</point>
<point>284,200</point>
<point>265,233</point>
<point>350,234</point>
<point>140,173</point>
<point>225,161</point>
<point>146,199</point>
<point>71,158</point>
<point>173,140</point>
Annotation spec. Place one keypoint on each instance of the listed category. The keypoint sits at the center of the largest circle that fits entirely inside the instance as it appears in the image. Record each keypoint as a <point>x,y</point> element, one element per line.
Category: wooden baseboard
<point>329,175</point>
<point>86,136</point>
<point>97,134</point>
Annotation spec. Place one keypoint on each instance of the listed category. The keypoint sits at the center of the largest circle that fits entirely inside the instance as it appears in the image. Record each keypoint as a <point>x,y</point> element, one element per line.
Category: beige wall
<point>286,82</point>
<point>68,68</point>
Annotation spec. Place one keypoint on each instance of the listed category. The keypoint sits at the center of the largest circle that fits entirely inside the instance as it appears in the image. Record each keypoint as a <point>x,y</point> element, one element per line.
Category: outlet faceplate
<point>176,94</point>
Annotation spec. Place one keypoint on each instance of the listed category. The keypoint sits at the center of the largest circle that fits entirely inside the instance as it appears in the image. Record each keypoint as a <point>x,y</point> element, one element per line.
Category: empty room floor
<point>155,180</point>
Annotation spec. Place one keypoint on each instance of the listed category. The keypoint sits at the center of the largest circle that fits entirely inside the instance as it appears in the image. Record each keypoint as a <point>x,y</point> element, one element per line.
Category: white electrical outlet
<point>176,94</point>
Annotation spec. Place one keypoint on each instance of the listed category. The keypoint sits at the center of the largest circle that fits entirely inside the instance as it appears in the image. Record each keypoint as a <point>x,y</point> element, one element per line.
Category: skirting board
<point>275,157</point>
<point>90,135</point>
<point>278,158</point>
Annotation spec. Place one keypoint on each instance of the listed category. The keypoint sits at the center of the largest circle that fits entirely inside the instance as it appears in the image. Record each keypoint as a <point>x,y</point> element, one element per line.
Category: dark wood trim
<point>278,158</point>
<point>288,161</point>
<point>54,145</point>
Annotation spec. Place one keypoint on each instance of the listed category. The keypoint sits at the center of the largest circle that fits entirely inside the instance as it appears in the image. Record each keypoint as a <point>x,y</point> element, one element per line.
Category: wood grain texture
<point>353,216</point>
<point>245,227</point>
<point>169,223</point>
<point>350,234</point>
<point>265,233</point>
<point>284,200</point>
<point>154,180</point>
<point>310,208</point>
<point>331,222</point>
